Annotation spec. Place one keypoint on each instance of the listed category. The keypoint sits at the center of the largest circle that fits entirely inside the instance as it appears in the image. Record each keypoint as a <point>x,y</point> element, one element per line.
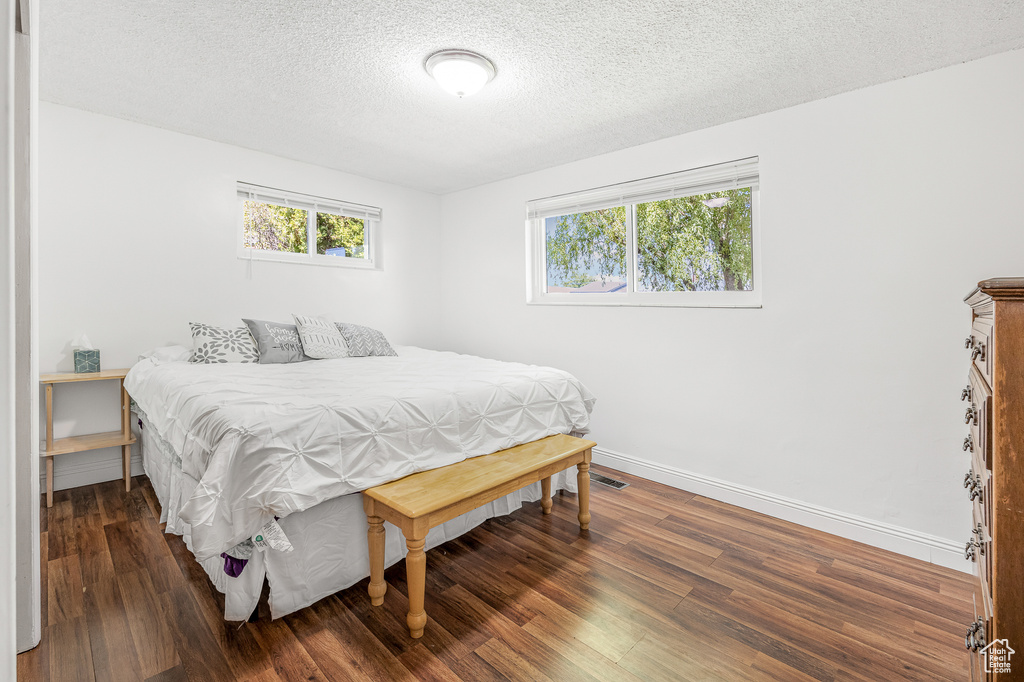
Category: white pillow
<point>320,339</point>
<point>167,354</point>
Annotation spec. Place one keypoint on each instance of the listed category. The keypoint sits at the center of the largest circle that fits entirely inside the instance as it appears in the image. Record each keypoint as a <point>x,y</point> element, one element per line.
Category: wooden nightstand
<point>95,441</point>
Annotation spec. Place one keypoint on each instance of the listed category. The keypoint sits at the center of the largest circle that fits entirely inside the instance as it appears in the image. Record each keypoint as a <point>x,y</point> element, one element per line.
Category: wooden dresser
<point>995,483</point>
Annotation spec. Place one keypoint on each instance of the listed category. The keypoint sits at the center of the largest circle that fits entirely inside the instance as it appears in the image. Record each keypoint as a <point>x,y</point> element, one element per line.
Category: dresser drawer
<point>978,415</point>
<point>978,490</point>
<point>982,562</point>
<point>979,344</point>
<point>980,508</point>
<point>975,639</point>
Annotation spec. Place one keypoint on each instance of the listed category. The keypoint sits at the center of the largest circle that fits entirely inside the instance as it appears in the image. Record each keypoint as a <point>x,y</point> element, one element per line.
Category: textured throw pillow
<point>320,339</point>
<point>212,345</point>
<point>364,341</point>
<point>277,342</point>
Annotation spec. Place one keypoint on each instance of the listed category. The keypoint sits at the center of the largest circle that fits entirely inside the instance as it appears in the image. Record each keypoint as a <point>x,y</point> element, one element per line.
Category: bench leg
<point>545,495</point>
<point>583,483</point>
<point>375,541</point>
<point>416,576</point>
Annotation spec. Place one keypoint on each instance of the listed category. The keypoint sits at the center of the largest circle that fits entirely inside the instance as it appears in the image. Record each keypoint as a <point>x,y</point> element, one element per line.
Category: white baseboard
<point>68,473</point>
<point>912,543</point>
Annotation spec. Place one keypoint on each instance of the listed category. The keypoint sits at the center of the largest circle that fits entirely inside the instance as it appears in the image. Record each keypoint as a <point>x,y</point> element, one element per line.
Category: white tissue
<point>81,342</point>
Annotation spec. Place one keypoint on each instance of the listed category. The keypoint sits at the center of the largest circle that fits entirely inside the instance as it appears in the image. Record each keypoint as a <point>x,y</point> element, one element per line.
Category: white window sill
<point>715,299</point>
<point>306,259</point>
<point>610,304</point>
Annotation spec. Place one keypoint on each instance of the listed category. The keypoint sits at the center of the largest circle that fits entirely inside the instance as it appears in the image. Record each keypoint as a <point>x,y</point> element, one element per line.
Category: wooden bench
<point>421,501</point>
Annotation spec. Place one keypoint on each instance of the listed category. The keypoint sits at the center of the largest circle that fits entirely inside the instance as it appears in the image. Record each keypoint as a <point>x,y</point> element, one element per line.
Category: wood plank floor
<point>665,586</point>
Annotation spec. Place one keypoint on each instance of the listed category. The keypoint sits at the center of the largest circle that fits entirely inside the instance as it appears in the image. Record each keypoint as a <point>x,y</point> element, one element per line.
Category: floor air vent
<point>610,482</point>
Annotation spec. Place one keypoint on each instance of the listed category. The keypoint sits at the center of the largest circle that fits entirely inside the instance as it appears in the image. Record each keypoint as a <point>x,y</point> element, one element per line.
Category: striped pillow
<point>364,341</point>
<point>320,339</point>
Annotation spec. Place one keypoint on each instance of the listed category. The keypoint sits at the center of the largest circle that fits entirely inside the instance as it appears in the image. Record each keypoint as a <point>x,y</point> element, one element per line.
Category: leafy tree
<point>583,241</point>
<point>274,228</point>
<point>337,230</point>
<point>696,243</point>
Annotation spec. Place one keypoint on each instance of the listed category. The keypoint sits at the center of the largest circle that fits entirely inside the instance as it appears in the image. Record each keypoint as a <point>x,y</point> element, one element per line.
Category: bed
<point>231,447</point>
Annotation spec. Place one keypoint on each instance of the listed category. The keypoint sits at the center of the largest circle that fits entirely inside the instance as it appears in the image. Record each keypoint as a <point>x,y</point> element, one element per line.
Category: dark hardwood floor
<point>665,586</point>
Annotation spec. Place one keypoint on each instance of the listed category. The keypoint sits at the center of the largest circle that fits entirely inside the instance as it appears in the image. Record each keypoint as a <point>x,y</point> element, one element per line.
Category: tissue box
<point>87,361</point>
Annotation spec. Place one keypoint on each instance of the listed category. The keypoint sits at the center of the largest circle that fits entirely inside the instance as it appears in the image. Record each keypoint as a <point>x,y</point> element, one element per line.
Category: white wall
<point>137,237</point>
<point>881,209</point>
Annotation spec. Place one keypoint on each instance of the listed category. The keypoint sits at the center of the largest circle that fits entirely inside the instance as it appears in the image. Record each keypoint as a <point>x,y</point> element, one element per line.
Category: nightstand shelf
<point>94,441</point>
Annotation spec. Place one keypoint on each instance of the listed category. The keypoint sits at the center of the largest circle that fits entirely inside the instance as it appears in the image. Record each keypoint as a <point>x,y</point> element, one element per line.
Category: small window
<point>292,227</point>
<point>684,239</point>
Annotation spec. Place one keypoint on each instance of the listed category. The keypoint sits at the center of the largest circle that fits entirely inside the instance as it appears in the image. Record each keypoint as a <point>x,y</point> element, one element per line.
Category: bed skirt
<point>329,539</point>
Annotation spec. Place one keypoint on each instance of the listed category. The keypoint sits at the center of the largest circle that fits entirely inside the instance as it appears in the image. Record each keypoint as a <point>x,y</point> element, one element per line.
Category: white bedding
<point>329,539</point>
<point>261,441</point>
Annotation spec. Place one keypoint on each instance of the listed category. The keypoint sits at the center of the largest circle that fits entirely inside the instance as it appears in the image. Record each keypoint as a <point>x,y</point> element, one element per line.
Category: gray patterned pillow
<point>364,341</point>
<point>211,345</point>
<point>277,342</point>
<point>320,339</point>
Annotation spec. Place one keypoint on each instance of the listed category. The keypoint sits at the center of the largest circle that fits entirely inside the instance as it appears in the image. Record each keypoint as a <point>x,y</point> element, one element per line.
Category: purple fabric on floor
<point>233,566</point>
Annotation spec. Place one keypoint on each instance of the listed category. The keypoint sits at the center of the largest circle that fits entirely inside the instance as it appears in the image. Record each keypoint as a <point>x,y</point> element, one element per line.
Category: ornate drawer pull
<point>971,415</point>
<point>969,548</point>
<point>969,636</point>
<point>969,342</point>
<point>974,486</point>
<point>969,443</point>
<point>979,539</point>
<point>979,352</point>
<point>974,640</point>
<point>966,393</point>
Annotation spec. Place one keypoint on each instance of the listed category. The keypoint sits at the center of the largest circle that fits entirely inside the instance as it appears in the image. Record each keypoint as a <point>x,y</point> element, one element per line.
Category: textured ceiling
<point>341,83</point>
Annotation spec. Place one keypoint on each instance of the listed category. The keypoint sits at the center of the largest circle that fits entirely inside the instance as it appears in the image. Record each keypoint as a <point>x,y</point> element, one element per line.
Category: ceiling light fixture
<point>460,72</point>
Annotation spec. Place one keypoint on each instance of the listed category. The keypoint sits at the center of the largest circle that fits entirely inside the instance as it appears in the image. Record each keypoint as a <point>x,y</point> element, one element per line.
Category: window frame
<point>370,215</point>
<point>685,183</point>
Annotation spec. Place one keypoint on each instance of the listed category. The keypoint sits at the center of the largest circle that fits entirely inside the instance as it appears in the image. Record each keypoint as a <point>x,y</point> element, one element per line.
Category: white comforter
<point>270,440</point>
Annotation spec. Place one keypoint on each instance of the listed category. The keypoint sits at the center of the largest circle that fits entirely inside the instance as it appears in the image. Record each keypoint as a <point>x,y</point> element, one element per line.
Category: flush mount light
<point>460,72</point>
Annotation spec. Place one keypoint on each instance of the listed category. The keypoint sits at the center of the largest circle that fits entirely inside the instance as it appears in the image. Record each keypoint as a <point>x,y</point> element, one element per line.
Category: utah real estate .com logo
<point>997,656</point>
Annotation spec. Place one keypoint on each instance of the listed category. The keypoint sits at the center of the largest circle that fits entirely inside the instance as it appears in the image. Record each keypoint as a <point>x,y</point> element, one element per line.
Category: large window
<point>287,226</point>
<point>683,239</point>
